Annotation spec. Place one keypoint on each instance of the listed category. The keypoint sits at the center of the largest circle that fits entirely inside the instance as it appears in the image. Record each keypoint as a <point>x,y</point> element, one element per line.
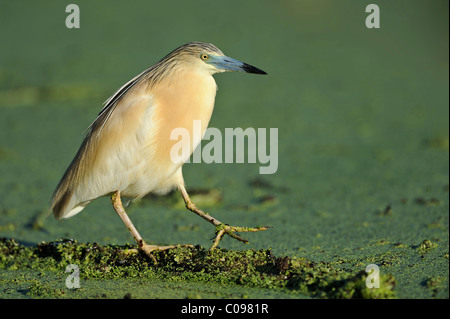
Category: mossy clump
<point>248,267</point>
<point>426,246</point>
<point>39,289</point>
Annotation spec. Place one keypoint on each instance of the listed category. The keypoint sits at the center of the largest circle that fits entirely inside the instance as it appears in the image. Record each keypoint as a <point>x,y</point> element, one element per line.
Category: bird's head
<point>208,57</point>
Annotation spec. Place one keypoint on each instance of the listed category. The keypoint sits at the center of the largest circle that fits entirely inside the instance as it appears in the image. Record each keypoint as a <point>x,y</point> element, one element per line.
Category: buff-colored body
<point>127,148</point>
<point>131,153</point>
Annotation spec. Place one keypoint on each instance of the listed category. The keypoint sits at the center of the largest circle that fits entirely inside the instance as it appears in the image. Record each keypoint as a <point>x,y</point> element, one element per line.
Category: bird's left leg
<point>221,228</point>
<point>146,248</point>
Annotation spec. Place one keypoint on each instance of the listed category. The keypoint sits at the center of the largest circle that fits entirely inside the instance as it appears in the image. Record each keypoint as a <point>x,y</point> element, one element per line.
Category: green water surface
<point>363,136</point>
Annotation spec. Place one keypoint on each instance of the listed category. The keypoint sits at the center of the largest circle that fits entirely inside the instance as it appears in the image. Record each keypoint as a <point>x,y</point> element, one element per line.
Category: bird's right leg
<point>147,249</point>
<point>221,228</point>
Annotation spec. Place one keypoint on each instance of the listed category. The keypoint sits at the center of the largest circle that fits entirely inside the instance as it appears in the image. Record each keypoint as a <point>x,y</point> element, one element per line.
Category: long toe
<point>148,249</point>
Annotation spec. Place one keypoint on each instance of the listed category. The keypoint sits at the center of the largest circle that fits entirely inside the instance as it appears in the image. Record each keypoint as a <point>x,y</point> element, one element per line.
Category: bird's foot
<point>148,249</point>
<point>223,229</point>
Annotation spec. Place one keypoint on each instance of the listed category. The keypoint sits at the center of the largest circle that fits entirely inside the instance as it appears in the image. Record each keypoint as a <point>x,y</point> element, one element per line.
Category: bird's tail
<point>65,203</point>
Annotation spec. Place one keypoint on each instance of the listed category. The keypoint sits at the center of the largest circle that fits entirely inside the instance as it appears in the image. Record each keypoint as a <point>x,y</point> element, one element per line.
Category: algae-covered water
<point>363,149</point>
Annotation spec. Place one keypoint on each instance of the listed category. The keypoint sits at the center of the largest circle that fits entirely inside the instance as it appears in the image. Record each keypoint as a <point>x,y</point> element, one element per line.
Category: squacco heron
<point>126,151</point>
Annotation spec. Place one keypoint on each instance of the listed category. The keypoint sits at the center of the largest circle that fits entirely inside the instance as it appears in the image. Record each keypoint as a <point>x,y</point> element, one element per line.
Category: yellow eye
<point>204,57</point>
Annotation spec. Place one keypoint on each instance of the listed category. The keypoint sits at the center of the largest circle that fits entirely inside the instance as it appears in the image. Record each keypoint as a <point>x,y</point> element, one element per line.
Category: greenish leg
<point>221,228</point>
<point>147,249</point>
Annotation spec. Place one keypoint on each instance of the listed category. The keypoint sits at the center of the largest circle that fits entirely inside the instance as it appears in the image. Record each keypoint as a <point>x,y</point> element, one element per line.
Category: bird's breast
<point>132,152</point>
<point>186,100</point>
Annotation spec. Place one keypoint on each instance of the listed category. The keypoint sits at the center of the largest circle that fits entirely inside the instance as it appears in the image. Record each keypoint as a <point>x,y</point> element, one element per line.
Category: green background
<point>362,117</point>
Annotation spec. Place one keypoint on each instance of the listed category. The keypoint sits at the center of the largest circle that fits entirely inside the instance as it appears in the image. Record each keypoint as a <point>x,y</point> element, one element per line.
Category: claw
<point>147,249</point>
<point>230,231</point>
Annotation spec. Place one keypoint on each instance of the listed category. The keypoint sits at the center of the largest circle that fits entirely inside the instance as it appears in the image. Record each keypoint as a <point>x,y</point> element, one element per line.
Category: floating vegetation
<point>228,267</point>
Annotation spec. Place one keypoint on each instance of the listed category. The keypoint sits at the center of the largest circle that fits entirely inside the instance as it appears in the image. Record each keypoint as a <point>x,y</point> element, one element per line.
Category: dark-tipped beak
<point>225,63</point>
<point>252,69</point>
